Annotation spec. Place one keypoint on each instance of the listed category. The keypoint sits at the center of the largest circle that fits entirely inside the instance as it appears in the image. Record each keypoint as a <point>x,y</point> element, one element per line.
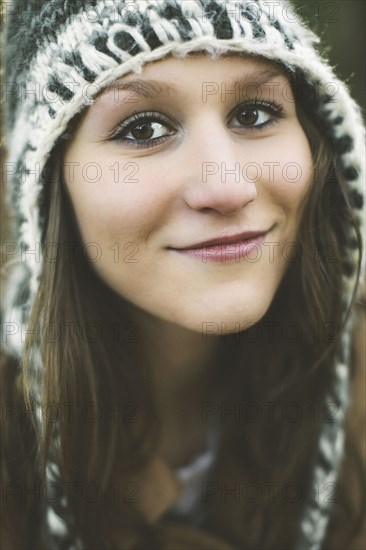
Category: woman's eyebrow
<point>257,78</point>
<point>144,88</point>
<point>158,89</point>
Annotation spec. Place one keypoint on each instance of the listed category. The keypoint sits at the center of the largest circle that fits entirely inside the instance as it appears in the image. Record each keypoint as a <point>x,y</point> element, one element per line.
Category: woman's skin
<point>141,203</point>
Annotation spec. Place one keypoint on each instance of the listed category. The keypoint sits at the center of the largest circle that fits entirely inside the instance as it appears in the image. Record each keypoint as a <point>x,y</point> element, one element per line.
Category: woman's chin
<point>215,321</point>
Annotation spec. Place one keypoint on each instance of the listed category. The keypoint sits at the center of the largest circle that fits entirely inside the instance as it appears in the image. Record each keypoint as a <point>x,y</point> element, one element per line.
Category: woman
<point>187,184</point>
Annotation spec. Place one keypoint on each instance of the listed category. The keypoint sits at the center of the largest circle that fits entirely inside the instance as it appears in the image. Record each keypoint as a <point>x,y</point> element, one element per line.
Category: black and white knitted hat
<point>61,53</point>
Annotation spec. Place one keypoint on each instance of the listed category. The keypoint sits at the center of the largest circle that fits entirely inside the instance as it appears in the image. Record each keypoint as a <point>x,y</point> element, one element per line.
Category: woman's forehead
<point>158,78</point>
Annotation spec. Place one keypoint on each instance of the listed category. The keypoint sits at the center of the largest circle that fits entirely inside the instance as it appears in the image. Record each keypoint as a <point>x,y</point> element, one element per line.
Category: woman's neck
<point>187,374</point>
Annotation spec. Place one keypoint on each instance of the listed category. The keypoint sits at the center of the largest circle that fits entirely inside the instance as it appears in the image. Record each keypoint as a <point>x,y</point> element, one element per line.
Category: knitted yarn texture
<point>71,50</point>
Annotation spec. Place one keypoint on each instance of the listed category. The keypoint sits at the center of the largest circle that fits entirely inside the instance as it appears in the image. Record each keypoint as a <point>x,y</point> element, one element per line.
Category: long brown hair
<point>82,367</point>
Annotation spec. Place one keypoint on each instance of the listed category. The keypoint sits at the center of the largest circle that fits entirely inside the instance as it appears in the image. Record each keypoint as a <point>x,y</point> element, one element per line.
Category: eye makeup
<point>139,128</point>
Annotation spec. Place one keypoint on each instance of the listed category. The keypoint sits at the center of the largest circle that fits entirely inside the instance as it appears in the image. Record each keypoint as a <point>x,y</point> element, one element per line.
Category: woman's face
<point>192,151</point>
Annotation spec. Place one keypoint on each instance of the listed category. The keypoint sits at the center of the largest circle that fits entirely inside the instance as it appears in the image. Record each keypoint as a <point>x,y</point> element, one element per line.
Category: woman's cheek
<point>110,211</point>
<point>292,174</point>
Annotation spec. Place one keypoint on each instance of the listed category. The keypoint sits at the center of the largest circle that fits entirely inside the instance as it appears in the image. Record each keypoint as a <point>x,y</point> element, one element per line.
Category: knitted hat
<point>61,53</point>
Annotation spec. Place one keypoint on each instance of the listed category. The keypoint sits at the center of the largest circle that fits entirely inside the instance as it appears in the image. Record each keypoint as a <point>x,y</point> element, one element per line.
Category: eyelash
<point>270,107</point>
<point>139,118</point>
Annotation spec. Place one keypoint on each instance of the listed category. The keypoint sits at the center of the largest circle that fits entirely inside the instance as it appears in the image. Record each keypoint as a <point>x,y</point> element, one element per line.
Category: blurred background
<point>341,26</point>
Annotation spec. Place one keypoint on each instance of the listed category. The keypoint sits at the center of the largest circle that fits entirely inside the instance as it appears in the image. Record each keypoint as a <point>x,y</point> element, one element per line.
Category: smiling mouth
<point>226,249</point>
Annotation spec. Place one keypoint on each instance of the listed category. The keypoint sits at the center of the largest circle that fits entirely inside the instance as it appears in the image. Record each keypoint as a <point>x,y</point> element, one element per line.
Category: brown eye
<point>256,115</point>
<point>248,117</point>
<point>143,131</point>
<point>147,129</point>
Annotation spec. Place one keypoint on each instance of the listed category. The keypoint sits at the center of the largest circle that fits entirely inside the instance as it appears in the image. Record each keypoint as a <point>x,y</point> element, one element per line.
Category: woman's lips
<point>226,251</point>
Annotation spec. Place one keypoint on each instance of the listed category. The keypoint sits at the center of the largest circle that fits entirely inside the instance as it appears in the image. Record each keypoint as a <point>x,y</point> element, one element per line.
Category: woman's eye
<point>256,116</point>
<point>252,117</point>
<point>146,130</point>
<point>143,131</point>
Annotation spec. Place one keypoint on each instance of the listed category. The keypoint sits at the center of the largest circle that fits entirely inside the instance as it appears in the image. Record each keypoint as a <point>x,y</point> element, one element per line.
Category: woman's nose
<point>216,177</point>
